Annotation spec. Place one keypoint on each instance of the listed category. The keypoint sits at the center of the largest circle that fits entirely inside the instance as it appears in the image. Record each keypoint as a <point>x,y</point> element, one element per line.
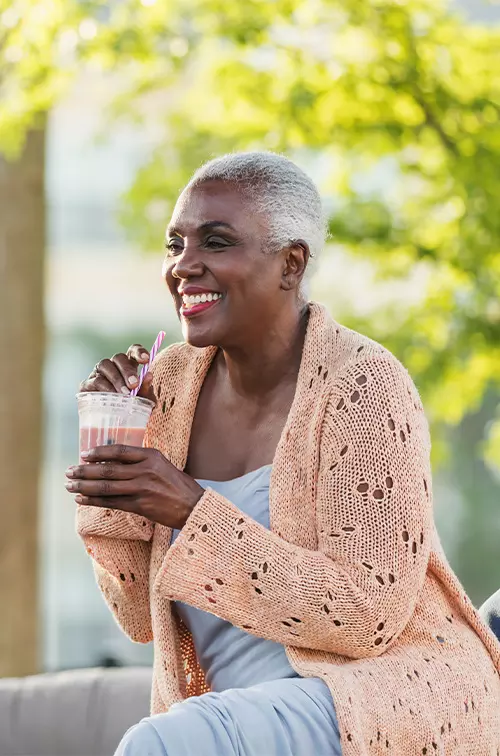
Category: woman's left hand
<point>137,480</point>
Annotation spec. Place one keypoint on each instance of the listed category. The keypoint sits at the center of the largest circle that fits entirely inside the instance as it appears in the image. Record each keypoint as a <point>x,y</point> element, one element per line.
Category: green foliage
<point>393,104</point>
<point>30,78</point>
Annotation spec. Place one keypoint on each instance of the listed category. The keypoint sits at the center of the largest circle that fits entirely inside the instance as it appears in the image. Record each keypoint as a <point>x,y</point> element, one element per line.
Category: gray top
<point>229,656</point>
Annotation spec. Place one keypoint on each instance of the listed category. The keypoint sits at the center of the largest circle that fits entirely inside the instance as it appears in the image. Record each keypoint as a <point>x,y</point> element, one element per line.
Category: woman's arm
<point>356,593</point>
<point>119,544</point>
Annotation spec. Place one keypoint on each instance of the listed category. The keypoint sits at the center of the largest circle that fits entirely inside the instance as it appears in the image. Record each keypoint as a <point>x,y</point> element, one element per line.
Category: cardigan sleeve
<point>355,594</point>
<point>119,544</point>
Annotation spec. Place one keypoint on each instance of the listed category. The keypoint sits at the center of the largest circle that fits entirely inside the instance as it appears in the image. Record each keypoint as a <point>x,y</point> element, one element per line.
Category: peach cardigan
<point>351,577</point>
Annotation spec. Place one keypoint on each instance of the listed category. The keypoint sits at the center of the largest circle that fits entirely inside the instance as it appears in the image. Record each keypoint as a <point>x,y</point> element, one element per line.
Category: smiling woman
<point>275,535</point>
<point>239,219</point>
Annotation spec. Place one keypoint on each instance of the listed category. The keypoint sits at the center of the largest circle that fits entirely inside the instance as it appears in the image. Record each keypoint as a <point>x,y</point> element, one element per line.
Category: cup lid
<point>109,398</point>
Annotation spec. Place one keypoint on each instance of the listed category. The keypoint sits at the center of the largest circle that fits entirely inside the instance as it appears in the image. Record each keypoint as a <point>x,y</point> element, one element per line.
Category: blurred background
<point>392,106</point>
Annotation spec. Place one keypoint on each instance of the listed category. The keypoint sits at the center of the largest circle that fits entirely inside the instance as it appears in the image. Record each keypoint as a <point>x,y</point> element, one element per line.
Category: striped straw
<point>145,368</point>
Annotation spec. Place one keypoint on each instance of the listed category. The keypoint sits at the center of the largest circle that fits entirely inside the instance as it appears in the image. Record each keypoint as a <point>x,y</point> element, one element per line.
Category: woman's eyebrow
<point>173,231</point>
<point>216,224</point>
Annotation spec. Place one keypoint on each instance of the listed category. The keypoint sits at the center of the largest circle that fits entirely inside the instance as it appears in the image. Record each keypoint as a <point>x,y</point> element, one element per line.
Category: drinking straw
<point>145,368</point>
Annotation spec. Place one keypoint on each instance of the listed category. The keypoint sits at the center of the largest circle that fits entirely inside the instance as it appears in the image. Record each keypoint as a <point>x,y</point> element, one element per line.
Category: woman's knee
<point>141,740</point>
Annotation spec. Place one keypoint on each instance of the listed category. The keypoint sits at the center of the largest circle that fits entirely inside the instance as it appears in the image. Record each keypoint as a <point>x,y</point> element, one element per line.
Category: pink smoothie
<point>92,437</point>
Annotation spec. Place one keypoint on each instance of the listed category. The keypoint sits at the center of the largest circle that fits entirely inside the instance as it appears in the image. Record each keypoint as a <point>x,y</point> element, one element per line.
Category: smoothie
<point>92,437</point>
<point>109,418</point>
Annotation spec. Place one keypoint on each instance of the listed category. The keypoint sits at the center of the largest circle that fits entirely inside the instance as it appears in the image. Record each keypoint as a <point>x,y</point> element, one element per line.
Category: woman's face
<point>215,252</point>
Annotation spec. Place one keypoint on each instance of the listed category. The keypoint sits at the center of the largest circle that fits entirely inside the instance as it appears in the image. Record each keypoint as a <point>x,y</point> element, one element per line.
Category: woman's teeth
<point>199,299</point>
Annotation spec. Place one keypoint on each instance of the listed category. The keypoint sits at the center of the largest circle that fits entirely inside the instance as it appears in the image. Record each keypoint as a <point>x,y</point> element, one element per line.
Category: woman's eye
<point>215,242</point>
<point>174,246</point>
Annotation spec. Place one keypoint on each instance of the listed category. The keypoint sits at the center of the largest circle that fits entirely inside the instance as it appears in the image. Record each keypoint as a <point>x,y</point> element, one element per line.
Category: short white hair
<point>279,190</point>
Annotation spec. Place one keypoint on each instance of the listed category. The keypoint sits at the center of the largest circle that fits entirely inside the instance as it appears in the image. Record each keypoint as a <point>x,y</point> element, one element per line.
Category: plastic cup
<point>107,418</point>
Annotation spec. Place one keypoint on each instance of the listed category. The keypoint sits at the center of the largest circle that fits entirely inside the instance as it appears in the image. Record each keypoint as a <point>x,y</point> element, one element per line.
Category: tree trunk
<point>22,243</point>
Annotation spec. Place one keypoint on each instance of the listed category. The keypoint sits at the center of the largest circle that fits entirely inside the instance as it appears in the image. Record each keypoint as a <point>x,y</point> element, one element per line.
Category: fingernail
<point>85,454</point>
<point>125,390</point>
<point>70,472</point>
<point>78,499</point>
<point>132,380</point>
<point>70,485</point>
<point>144,356</point>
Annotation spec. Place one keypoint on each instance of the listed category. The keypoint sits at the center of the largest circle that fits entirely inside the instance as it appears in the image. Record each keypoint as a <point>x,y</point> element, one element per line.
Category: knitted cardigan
<point>351,577</point>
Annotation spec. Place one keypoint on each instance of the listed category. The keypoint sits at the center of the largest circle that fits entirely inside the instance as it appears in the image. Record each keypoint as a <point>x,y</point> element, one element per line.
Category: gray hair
<point>279,190</point>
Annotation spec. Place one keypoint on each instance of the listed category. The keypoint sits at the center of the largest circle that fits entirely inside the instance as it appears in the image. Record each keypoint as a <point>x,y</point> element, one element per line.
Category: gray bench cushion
<point>75,713</point>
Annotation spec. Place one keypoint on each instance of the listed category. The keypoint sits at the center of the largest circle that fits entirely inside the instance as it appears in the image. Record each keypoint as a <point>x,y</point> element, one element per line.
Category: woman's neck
<point>268,358</point>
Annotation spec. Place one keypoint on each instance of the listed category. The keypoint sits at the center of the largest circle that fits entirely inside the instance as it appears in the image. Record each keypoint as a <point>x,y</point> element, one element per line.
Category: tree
<point>22,221</point>
<point>29,81</point>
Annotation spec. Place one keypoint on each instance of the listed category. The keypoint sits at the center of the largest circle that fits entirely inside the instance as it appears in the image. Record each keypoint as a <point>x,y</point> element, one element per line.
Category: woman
<point>275,538</point>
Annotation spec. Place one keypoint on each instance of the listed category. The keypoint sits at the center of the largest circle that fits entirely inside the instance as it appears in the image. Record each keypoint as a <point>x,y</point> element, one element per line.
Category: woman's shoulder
<point>355,357</point>
<point>346,347</point>
<point>173,355</point>
<point>368,378</point>
<point>177,361</point>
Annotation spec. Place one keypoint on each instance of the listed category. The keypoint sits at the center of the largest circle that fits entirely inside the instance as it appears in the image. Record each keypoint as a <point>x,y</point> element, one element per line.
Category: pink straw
<point>145,368</point>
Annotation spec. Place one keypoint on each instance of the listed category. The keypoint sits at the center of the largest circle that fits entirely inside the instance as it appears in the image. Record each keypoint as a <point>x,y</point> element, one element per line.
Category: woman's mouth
<point>197,303</point>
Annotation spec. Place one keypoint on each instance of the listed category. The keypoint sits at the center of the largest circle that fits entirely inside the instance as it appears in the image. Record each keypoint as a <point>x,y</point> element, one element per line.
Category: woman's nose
<point>188,264</point>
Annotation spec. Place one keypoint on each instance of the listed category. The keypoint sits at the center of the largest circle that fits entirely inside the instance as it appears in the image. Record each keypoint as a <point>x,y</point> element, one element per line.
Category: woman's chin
<point>198,337</point>
<point>202,329</point>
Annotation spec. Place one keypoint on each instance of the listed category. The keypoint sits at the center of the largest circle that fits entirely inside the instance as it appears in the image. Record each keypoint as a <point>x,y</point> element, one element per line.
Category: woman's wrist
<point>192,498</point>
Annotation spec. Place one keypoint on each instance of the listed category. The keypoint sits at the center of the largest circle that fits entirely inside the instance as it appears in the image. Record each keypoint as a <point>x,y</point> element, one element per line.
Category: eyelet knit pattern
<point>351,577</point>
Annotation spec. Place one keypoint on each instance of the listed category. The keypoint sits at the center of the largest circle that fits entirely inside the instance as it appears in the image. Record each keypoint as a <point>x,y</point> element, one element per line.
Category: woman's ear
<point>296,257</point>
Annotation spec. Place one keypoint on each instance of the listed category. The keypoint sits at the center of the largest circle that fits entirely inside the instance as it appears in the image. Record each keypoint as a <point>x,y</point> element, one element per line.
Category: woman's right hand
<point>119,374</point>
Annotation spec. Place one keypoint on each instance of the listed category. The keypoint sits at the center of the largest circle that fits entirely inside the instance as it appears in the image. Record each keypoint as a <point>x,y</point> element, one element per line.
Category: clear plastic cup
<point>108,418</point>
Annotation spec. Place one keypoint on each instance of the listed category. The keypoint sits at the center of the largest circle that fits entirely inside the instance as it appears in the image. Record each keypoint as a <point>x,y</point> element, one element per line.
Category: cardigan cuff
<point>112,523</point>
<point>214,522</point>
